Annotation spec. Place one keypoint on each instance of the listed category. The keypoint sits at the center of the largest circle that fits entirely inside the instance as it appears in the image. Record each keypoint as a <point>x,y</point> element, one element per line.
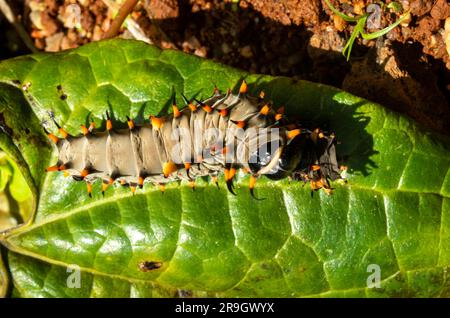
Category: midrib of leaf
<point>18,249</point>
<point>9,242</point>
<point>22,251</point>
<point>57,215</point>
<point>327,293</point>
<point>26,292</point>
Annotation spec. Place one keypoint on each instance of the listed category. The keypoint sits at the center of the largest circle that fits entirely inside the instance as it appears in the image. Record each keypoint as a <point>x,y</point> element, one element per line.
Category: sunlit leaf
<point>394,212</point>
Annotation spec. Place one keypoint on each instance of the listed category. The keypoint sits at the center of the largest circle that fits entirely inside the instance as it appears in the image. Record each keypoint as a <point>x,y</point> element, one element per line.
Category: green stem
<point>359,28</point>
<point>374,35</point>
<point>123,13</point>
<point>343,16</point>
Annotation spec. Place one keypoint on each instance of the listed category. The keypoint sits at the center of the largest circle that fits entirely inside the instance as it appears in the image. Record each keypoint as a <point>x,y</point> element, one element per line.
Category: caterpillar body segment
<point>223,133</point>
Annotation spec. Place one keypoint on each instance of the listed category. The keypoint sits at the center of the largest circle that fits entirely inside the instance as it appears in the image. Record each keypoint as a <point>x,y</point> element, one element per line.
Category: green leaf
<point>358,29</point>
<point>16,201</point>
<point>394,212</point>
<point>10,176</point>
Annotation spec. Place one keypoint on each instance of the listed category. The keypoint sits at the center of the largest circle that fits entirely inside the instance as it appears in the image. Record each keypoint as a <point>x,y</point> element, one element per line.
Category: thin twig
<point>124,11</point>
<point>12,18</point>
<point>132,26</point>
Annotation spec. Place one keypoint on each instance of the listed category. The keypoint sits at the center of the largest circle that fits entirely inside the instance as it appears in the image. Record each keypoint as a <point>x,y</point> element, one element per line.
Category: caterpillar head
<point>300,154</point>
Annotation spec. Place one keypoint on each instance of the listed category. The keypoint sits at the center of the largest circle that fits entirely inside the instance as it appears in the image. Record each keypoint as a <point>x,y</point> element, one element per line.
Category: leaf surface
<point>393,212</point>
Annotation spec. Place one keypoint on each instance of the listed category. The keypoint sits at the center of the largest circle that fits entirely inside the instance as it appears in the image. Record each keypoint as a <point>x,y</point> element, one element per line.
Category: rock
<point>201,51</point>
<point>225,48</point>
<point>193,43</point>
<point>339,23</point>
<point>71,17</point>
<point>35,17</point>
<point>358,7</point>
<point>246,52</point>
<point>161,9</point>
<point>420,7</point>
<point>440,10</point>
<point>325,41</point>
<point>53,42</point>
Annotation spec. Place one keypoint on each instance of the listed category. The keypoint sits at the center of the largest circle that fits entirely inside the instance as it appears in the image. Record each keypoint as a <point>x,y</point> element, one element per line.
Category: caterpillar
<point>223,133</point>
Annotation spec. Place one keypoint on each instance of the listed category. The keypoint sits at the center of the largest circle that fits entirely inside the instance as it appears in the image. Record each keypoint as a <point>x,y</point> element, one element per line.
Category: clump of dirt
<point>429,29</point>
<point>290,12</point>
<point>406,70</point>
<point>60,25</point>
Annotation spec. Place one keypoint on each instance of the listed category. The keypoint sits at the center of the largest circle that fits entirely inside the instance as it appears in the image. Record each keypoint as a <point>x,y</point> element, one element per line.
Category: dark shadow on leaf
<point>314,107</point>
<point>291,50</point>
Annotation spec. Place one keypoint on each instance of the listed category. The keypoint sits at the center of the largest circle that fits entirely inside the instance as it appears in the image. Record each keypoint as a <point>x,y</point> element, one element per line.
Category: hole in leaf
<point>147,266</point>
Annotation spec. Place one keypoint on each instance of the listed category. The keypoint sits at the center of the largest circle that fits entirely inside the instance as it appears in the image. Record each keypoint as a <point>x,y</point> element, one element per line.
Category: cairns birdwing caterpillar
<point>220,134</point>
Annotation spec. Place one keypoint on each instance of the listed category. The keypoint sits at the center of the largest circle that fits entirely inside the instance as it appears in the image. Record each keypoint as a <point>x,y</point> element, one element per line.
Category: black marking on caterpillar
<point>248,134</point>
<point>147,266</point>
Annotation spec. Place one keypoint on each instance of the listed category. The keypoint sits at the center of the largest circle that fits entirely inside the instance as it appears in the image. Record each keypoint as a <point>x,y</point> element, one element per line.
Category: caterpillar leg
<point>91,126</point>
<point>280,114</point>
<point>261,96</point>
<point>229,175</point>
<point>89,189</point>
<point>252,184</point>
<point>141,182</point>
<point>215,180</point>
<point>104,187</point>
<point>187,167</point>
<point>133,188</point>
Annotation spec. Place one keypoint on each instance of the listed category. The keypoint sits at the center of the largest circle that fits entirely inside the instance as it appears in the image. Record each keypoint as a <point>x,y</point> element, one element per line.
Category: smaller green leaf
<point>11,175</point>
<point>5,174</point>
<point>377,34</point>
<point>359,28</point>
<point>396,6</point>
<point>15,194</point>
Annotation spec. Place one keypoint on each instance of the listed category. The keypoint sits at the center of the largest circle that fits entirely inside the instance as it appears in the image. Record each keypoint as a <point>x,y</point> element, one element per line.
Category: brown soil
<point>406,70</point>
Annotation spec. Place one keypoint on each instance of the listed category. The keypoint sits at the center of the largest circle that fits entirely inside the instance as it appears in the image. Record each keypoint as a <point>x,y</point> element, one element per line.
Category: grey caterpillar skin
<point>220,134</point>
